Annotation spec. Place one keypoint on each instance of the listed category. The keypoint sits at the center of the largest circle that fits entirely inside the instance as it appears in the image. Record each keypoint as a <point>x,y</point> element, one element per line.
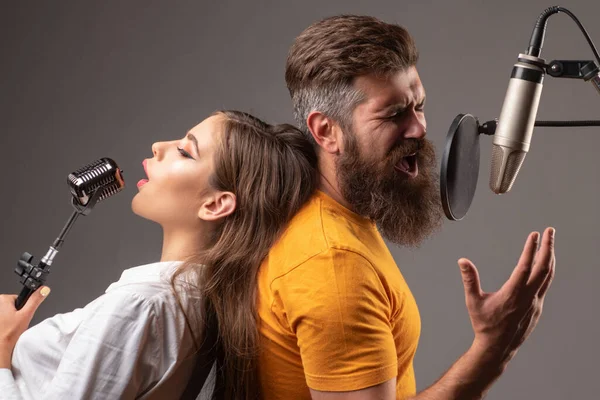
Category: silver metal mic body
<point>103,175</point>
<point>516,122</point>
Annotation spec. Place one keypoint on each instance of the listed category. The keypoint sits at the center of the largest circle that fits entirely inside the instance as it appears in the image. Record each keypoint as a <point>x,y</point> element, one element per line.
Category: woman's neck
<point>179,245</point>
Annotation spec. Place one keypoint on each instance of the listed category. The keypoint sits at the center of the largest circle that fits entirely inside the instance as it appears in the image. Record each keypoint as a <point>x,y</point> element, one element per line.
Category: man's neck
<point>328,182</point>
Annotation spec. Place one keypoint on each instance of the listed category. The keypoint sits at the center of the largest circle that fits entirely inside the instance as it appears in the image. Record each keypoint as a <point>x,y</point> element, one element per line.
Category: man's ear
<point>217,206</point>
<point>325,131</point>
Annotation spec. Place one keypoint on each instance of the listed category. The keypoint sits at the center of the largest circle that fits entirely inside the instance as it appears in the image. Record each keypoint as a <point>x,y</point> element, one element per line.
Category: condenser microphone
<point>517,117</point>
<point>95,182</point>
<point>515,124</point>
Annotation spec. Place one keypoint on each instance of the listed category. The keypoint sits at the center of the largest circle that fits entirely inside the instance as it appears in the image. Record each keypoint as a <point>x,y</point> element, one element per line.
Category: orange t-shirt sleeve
<point>337,307</point>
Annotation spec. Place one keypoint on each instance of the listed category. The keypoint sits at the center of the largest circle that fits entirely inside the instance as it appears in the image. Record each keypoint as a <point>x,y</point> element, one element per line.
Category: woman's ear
<point>217,206</point>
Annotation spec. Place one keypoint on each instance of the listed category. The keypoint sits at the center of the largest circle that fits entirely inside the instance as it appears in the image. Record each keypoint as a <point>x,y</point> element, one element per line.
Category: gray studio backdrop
<point>84,80</point>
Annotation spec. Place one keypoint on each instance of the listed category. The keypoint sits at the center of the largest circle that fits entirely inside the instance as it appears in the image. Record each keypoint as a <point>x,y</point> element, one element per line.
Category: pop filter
<point>460,166</point>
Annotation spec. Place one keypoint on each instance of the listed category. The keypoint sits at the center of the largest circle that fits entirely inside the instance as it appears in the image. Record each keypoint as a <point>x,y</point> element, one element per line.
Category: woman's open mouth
<point>142,182</point>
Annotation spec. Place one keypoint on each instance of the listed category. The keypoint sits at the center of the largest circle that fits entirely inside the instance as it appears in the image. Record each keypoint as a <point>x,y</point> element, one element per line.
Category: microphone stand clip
<point>576,69</point>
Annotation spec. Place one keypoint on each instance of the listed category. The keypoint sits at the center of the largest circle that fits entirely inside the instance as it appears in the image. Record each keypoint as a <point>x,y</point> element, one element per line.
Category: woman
<point>222,195</point>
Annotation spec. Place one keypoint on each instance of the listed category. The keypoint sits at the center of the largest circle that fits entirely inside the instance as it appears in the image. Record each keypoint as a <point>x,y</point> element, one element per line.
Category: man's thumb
<point>470,278</point>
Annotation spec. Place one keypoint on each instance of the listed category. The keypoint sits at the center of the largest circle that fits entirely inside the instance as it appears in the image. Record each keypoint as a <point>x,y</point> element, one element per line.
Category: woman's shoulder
<point>151,282</point>
<point>150,291</point>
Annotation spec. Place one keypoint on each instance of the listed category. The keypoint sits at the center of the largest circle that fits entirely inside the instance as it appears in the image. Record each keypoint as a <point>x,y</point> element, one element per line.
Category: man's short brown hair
<point>329,54</point>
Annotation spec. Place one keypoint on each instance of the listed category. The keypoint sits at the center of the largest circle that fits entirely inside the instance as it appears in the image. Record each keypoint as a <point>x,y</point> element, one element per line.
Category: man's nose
<point>416,127</point>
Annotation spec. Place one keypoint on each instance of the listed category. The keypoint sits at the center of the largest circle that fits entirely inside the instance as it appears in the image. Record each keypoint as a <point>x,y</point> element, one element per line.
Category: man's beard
<point>406,210</point>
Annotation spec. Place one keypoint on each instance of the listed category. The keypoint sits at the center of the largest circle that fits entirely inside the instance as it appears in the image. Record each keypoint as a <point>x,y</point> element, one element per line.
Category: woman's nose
<point>157,149</point>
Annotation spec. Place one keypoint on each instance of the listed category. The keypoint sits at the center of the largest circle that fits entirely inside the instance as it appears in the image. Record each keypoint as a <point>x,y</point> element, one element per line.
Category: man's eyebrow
<point>399,106</point>
<point>193,139</point>
<point>389,107</point>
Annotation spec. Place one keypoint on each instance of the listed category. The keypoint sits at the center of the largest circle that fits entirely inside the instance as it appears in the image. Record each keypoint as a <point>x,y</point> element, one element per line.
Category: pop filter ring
<point>459,140</point>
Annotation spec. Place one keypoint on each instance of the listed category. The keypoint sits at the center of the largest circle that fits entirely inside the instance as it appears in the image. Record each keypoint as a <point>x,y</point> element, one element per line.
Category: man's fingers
<point>548,280</point>
<point>543,262</point>
<point>529,249</point>
<point>470,278</point>
<point>522,271</point>
<point>35,300</point>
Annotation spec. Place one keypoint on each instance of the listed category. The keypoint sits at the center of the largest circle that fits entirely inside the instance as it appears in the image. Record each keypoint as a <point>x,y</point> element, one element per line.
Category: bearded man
<point>336,318</point>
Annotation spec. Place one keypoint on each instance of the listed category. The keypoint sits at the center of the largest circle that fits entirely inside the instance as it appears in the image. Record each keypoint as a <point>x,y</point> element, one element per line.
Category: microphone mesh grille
<point>100,175</point>
<point>497,156</point>
<point>507,162</point>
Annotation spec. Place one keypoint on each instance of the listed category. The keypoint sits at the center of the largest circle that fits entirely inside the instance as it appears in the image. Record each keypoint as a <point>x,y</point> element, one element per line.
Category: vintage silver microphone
<point>88,185</point>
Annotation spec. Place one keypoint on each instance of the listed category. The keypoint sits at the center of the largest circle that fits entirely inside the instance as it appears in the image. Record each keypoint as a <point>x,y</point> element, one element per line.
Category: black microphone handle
<point>23,297</point>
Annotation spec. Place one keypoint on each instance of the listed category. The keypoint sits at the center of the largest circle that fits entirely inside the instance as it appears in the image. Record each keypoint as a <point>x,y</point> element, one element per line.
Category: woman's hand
<point>14,322</point>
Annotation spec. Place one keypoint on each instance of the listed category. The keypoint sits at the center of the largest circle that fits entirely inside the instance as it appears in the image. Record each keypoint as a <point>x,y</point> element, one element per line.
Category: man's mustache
<point>405,148</point>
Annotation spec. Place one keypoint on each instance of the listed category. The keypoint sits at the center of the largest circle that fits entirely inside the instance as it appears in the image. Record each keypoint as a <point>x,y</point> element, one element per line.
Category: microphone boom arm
<point>489,127</point>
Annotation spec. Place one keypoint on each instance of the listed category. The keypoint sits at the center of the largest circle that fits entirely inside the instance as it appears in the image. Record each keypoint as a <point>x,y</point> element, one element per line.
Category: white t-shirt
<point>132,342</point>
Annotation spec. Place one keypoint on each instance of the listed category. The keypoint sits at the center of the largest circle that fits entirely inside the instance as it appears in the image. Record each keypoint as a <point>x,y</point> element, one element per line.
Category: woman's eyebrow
<point>193,139</point>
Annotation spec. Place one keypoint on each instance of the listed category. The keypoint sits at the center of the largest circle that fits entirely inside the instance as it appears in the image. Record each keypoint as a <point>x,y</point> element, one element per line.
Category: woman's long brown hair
<point>271,169</point>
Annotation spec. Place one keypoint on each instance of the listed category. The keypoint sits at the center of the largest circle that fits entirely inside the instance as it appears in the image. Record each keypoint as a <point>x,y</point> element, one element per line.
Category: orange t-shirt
<point>335,313</point>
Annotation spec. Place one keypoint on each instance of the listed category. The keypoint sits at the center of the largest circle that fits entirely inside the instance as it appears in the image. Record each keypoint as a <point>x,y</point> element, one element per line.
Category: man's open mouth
<point>408,165</point>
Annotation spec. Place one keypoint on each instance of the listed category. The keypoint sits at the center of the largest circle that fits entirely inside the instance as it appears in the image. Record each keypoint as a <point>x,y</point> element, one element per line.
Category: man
<point>337,320</point>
